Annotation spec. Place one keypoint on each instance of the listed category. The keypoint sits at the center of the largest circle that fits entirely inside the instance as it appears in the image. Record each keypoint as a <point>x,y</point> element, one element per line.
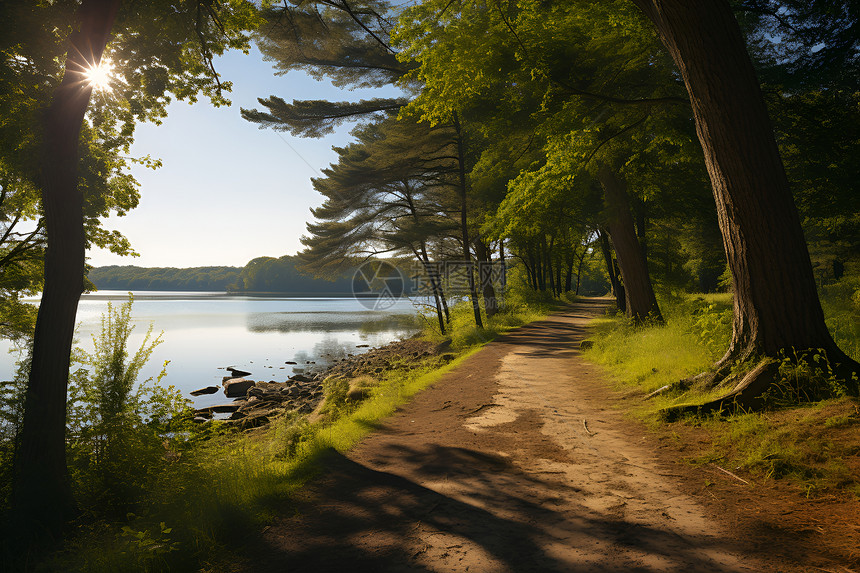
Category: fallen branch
<point>725,471</point>
<point>658,391</point>
<point>587,431</point>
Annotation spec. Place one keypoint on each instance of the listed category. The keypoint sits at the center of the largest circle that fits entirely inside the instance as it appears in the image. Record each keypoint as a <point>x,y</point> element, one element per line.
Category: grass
<point>814,444</point>
<point>215,485</point>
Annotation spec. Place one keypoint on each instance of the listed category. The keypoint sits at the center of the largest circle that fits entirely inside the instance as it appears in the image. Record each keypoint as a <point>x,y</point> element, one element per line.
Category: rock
<point>207,390</point>
<point>237,387</point>
<point>237,373</point>
<point>290,362</point>
<point>219,409</point>
<point>269,390</point>
<point>448,357</point>
<point>301,378</point>
<point>362,346</point>
<point>586,344</point>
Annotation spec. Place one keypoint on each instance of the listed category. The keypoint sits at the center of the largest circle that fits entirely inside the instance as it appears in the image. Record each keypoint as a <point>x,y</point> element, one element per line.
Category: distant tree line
<point>268,274</point>
<point>262,274</point>
<point>129,277</point>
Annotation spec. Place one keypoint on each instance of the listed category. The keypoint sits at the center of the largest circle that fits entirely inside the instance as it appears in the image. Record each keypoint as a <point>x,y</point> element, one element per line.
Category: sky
<point>227,191</point>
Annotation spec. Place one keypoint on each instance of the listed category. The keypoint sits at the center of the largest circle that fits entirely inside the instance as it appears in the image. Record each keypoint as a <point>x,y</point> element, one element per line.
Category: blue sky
<point>228,191</point>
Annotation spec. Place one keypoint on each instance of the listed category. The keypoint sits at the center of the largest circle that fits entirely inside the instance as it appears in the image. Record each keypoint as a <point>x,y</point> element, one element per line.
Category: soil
<point>517,460</point>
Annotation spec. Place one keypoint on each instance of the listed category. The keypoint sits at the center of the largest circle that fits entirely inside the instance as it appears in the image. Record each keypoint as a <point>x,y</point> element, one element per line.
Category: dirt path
<point>511,462</point>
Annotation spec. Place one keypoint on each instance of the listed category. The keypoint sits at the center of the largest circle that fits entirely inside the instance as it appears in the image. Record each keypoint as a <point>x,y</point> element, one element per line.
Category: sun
<point>99,77</point>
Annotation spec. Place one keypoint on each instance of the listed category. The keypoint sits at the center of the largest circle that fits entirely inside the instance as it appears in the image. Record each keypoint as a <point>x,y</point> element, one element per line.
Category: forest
<point>696,162</point>
<point>212,279</point>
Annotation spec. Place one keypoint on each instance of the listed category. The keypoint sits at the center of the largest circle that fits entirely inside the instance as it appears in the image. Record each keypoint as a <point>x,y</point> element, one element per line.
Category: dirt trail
<point>512,462</point>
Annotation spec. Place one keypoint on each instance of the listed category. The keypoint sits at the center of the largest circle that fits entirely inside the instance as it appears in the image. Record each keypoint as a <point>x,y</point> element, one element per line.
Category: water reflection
<point>206,332</point>
<point>363,321</point>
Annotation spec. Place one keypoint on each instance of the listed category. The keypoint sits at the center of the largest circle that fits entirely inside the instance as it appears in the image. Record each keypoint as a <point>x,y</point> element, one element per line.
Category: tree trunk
<point>42,498</point>
<point>428,268</point>
<point>531,269</point>
<point>579,269</point>
<point>547,257</point>
<point>641,304</point>
<point>641,222</point>
<point>558,270</point>
<point>776,305</point>
<point>485,276</point>
<point>617,289</point>
<point>464,227</point>
<point>503,276</point>
<point>568,276</point>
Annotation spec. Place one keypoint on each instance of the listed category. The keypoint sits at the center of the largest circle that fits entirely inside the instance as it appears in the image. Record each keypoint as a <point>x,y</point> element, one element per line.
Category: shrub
<point>117,428</point>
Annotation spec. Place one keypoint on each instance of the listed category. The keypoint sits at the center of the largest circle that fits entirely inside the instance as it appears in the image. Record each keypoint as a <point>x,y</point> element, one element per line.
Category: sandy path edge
<point>511,462</point>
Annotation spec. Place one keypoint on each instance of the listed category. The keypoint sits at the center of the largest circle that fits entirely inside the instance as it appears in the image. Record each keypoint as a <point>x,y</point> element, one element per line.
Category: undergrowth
<point>808,432</point>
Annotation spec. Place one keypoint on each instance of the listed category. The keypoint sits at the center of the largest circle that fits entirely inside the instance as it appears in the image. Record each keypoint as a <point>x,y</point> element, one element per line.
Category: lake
<point>206,332</point>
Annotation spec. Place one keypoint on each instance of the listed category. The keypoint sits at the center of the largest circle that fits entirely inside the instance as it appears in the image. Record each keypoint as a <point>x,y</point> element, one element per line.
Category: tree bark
<point>776,305</point>
<point>641,304</point>
<point>42,498</point>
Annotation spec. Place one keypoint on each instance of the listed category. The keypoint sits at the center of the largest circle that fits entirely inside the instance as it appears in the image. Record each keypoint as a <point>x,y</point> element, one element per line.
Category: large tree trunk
<point>641,304</point>
<point>42,498</point>
<point>776,304</point>
<point>464,227</point>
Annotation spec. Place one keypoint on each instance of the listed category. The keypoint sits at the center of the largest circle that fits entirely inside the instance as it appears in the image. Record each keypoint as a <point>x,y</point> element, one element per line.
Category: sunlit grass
<point>807,443</point>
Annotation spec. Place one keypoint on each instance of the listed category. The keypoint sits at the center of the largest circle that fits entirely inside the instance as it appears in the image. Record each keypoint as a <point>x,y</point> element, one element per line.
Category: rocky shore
<point>257,402</point>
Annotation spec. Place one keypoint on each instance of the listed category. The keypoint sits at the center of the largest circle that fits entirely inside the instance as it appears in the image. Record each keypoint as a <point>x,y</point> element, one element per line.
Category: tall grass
<point>646,357</point>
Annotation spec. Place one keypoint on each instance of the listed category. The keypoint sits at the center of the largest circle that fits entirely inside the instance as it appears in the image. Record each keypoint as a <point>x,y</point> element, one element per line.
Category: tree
<point>349,44</point>
<point>776,306</point>
<point>389,193</point>
<point>157,55</point>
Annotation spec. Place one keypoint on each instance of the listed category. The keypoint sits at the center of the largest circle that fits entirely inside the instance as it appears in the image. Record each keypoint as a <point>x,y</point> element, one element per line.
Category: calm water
<point>206,332</point>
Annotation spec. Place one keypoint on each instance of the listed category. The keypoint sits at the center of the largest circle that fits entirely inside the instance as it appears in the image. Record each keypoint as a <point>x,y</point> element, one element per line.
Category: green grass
<point>520,307</point>
<point>812,444</point>
<point>644,358</point>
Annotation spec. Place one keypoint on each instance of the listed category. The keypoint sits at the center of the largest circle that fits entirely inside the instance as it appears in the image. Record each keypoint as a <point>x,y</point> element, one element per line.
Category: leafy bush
<point>117,428</point>
<point>805,377</point>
